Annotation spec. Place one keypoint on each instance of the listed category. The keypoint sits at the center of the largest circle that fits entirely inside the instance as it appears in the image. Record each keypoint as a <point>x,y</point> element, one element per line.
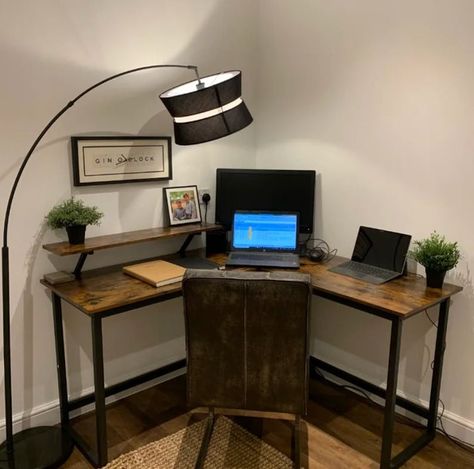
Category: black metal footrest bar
<point>83,447</point>
<point>403,456</point>
<point>127,384</point>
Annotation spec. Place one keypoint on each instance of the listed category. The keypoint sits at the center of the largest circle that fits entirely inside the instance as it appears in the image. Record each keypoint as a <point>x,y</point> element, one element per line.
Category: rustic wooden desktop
<point>395,301</point>
<point>104,292</point>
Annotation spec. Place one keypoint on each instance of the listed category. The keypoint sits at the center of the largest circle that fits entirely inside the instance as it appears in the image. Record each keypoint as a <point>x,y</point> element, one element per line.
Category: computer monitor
<point>265,190</point>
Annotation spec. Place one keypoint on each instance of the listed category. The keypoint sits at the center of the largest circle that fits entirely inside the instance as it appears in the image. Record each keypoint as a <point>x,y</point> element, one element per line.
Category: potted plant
<point>437,256</point>
<point>73,215</point>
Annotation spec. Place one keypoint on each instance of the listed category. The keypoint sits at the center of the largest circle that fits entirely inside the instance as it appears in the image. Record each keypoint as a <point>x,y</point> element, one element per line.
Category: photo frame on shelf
<point>182,205</point>
<point>115,160</point>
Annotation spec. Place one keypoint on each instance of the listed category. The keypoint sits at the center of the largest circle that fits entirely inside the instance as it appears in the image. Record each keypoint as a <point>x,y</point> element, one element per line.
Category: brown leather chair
<point>247,343</point>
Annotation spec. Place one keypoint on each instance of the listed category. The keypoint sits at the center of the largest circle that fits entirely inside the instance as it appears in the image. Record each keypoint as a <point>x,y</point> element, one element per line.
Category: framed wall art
<point>182,204</point>
<point>112,160</point>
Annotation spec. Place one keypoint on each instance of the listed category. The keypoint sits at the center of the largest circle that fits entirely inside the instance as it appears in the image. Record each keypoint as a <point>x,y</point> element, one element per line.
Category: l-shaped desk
<point>104,292</point>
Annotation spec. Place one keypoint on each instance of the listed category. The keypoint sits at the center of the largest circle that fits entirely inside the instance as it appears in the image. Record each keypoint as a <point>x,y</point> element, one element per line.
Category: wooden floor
<point>342,429</point>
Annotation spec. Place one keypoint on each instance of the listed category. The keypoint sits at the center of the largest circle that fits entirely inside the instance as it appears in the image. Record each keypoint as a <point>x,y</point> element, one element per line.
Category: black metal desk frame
<point>390,393</point>
<point>99,457</point>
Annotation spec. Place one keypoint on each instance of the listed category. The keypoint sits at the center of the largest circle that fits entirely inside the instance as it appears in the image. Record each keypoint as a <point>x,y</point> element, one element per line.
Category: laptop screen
<point>265,231</point>
<point>385,249</point>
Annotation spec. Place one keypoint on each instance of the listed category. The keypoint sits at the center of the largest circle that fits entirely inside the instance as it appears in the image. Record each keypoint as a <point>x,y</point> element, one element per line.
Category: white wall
<point>373,95</point>
<point>51,51</point>
<point>377,96</point>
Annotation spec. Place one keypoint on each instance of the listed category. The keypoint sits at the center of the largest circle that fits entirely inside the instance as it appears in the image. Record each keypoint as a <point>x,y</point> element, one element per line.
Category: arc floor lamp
<point>204,109</point>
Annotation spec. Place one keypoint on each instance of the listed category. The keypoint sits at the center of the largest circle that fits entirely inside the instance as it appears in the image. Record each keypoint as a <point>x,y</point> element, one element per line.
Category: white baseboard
<point>454,424</point>
<point>48,414</point>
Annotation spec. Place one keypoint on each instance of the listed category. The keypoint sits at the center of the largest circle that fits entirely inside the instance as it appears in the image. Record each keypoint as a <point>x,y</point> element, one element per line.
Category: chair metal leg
<point>296,443</point>
<point>205,440</point>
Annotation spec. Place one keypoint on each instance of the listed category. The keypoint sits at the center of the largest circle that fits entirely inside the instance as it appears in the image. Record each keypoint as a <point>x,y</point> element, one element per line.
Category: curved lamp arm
<point>5,256</point>
<point>57,116</point>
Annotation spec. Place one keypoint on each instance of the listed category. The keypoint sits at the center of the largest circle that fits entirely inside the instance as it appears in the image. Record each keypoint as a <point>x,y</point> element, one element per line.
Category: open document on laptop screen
<point>265,231</point>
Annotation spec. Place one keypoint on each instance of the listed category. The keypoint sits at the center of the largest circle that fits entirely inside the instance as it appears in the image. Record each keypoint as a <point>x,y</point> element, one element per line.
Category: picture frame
<point>182,204</point>
<point>117,160</point>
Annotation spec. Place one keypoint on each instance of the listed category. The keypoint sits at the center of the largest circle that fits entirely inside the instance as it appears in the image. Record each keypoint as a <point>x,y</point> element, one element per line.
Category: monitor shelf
<point>126,238</point>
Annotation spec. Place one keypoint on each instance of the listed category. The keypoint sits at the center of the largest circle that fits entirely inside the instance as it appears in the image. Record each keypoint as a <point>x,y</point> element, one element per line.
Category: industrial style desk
<point>100,293</point>
<point>107,291</point>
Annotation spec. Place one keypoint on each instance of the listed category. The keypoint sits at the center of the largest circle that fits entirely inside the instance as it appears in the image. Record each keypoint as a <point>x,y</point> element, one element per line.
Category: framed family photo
<point>182,204</point>
<point>113,160</point>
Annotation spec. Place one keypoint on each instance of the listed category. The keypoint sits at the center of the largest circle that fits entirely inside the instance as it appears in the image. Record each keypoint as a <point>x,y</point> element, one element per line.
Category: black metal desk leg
<point>60,360</point>
<point>99,390</point>
<point>438,365</point>
<point>391,396</point>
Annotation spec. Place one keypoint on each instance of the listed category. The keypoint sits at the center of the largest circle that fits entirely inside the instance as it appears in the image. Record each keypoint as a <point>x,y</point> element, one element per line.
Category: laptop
<point>379,256</point>
<point>264,239</point>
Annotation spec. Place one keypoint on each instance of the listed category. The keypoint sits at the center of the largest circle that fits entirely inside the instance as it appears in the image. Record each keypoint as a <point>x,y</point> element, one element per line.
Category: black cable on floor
<point>457,441</point>
<point>367,396</point>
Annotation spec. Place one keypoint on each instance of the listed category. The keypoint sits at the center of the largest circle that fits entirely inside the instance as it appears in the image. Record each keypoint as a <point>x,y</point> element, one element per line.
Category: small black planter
<point>434,278</point>
<point>76,234</point>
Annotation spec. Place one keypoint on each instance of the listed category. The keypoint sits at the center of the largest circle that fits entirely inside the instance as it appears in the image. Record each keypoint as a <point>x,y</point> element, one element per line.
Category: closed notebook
<point>156,273</point>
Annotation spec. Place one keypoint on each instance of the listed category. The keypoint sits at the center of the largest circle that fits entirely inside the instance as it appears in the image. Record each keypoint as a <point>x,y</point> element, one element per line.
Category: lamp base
<point>38,447</point>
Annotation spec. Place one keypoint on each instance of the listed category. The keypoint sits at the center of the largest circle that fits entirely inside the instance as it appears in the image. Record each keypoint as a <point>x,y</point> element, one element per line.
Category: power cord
<point>435,325</point>
<point>429,319</point>
<point>457,441</point>
<point>319,252</point>
<point>205,199</point>
<point>364,394</point>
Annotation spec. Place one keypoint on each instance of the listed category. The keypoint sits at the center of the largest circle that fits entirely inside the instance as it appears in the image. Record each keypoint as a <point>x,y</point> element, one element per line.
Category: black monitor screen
<point>266,190</point>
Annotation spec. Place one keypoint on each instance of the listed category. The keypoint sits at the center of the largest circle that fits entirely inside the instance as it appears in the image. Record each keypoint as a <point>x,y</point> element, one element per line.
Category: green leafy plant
<point>435,253</point>
<point>73,212</point>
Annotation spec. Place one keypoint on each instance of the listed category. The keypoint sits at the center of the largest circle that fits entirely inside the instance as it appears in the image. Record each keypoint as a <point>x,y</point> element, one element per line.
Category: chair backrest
<point>247,339</point>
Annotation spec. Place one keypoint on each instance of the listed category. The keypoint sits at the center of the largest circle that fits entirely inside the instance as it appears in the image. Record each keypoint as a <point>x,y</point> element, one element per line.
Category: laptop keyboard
<point>259,256</point>
<point>369,269</point>
<point>365,272</point>
<point>264,259</point>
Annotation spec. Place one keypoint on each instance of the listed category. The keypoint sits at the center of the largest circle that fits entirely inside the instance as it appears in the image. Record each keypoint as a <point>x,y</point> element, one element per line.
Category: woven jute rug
<point>231,446</point>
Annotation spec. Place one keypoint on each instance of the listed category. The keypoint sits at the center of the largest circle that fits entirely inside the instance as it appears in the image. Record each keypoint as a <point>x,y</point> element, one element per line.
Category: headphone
<point>316,254</point>
<point>320,252</point>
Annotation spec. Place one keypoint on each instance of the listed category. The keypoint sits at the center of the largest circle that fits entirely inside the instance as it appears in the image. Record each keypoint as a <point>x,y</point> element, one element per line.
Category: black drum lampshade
<point>207,108</point>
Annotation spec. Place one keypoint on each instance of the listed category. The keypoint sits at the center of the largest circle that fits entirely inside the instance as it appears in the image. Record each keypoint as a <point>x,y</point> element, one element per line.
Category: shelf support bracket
<point>187,241</point>
<point>80,264</point>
